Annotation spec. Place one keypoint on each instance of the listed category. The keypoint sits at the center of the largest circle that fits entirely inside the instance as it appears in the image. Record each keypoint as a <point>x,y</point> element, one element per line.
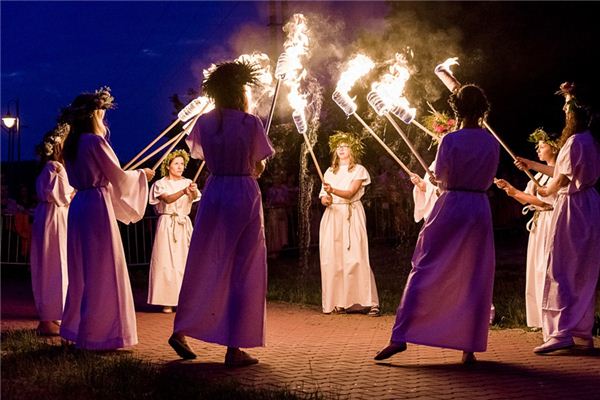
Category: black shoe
<point>182,349</point>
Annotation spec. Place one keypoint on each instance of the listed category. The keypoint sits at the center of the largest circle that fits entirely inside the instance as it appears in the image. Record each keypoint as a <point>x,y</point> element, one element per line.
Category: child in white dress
<point>172,197</point>
<point>346,276</point>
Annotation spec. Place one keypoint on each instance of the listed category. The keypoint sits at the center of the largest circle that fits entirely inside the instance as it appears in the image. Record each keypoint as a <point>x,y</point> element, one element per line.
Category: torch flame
<point>445,74</point>
<point>296,48</point>
<point>447,64</point>
<point>390,91</point>
<point>357,67</point>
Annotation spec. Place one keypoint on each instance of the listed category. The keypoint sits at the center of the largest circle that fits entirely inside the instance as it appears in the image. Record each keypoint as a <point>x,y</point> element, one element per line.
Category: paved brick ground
<point>309,351</point>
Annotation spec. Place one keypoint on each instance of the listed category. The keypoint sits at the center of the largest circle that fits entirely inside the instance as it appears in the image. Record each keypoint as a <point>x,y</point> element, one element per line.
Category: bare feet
<point>181,347</point>
<point>167,310</point>
<point>468,358</point>
<point>238,358</point>
<point>48,328</point>
<point>390,350</point>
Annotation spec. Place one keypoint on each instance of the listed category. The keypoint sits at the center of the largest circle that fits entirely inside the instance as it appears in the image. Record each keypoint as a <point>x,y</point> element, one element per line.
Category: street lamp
<point>13,126</point>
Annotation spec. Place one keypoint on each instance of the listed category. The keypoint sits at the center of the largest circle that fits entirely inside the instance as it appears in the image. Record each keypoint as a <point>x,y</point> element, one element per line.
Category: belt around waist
<point>465,190</point>
<point>231,174</point>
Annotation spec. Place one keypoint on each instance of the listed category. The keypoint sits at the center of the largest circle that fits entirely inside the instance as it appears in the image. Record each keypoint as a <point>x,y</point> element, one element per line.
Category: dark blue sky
<point>145,51</point>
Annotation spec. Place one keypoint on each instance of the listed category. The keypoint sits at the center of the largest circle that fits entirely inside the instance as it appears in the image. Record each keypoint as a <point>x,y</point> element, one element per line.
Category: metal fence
<point>385,221</point>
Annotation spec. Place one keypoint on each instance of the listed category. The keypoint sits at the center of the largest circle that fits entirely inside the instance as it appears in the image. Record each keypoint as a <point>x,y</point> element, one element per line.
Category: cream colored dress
<point>49,241</point>
<point>171,241</point>
<point>346,275</point>
<point>539,227</point>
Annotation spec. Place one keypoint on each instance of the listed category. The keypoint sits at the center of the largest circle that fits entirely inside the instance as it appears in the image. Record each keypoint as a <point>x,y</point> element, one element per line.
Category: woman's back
<point>230,142</point>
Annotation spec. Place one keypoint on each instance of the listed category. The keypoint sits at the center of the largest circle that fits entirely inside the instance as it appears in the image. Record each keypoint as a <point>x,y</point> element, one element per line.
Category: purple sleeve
<point>261,146</point>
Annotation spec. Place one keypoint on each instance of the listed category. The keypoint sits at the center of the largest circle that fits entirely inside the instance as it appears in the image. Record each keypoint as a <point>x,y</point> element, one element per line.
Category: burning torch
<point>195,108</point>
<point>444,73</point>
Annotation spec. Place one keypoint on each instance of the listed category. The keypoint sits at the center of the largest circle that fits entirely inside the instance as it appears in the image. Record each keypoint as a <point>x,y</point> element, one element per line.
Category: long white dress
<point>535,275</point>
<point>573,244</point>
<point>99,311</point>
<point>447,298</point>
<point>425,200</point>
<point>171,241</point>
<point>346,275</point>
<point>223,295</point>
<point>49,241</point>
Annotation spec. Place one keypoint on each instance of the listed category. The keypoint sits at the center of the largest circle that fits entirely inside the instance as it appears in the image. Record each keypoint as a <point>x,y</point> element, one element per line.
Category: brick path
<point>333,353</point>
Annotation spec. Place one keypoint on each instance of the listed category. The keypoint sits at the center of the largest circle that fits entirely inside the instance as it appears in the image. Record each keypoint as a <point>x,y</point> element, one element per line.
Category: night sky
<point>147,51</point>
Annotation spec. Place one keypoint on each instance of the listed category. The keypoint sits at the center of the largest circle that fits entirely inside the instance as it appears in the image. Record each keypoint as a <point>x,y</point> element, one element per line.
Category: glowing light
<point>357,67</point>
<point>444,73</point>
<point>290,65</point>
<point>193,108</point>
<point>345,102</point>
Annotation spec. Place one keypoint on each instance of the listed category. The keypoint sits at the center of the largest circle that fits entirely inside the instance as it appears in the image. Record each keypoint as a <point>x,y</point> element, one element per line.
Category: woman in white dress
<point>99,311</point>
<point>172,197</point>
<point>538,227</point>
<point>346,277</point>
<point>49,233</point>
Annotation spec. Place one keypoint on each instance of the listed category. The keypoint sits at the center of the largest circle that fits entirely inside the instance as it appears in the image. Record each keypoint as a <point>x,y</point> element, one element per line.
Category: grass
<point>391,266</point>
<point>34,368</point>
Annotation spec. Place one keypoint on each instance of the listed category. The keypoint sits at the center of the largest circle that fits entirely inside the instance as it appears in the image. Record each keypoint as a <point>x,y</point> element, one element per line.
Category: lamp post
<point>13,127</point>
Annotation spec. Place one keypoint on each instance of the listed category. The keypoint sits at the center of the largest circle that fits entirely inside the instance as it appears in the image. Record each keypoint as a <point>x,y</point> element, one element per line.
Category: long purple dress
<point>447,298</point>
<point>222,298</point>
<point>99,311</point>
<point>573,243</point>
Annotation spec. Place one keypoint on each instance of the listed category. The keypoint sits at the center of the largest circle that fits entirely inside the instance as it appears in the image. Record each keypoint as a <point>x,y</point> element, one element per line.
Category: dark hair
<point>80,117</point>
<point>225,84</point>
<point>469,102</point>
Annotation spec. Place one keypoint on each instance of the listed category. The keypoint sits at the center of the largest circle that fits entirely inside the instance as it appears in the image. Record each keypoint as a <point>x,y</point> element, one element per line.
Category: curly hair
<point>164,167</point>
<point>79,115</point>
<point>469,102</point>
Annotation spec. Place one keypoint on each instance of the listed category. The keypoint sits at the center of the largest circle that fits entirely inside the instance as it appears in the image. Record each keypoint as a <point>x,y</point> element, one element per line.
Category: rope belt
<point>350,205</point>
<point>174,220</point>
<point>532,223</point>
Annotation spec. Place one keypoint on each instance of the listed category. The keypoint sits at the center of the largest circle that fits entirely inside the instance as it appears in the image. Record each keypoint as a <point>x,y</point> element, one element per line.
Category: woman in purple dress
<point>573,241</point>
<point>454,255</point>
<point>223,295</point>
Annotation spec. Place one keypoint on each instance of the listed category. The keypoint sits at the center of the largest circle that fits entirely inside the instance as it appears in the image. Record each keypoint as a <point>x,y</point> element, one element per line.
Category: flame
<point>390,87</point>
<point>200,105</point>
<point>357,67</point>
<point>448,63</point>
<point>265,89</point>
<point>296,49</point>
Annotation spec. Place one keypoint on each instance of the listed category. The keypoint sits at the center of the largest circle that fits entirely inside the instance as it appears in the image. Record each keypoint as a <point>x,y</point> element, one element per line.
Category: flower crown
<point>52,138</point>
<point>356,145</point>
<point>86,103</point>
<point>164,167</point>
<point>540,135</point>
<point>567,89</point>
<point>439,122</point>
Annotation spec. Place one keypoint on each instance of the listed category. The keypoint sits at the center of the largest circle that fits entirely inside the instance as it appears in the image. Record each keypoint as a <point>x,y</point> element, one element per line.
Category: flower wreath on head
<point>354,142</point>
<point>540,135</point>
<point>164,167</point>
<point>567,89</point>
<point>52,138</point>
<point>101,99</point>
